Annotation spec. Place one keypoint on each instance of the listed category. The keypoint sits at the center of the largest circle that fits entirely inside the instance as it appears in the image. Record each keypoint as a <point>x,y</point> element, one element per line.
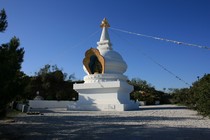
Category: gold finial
<point>104,23</point>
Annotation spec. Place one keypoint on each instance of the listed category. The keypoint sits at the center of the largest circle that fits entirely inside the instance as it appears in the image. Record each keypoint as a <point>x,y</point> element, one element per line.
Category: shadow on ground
<point>78,125</point>
<point>159,107</point>
<point>96,127</point>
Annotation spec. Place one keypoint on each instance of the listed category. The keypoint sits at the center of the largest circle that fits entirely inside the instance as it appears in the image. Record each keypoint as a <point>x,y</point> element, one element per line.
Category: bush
<point>146,92</point>
<point>201,90</point>
<point>196,97</point>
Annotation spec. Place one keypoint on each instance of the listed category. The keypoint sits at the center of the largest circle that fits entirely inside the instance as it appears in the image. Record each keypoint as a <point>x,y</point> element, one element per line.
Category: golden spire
<point>104,23</point>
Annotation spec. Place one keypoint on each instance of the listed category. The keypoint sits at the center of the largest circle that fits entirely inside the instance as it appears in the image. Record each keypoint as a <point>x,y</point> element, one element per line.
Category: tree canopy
<point>11,58</point>
<point>3,20</point>
<point>143,91</point>
<point>197,96</point>
<point>52,84</point>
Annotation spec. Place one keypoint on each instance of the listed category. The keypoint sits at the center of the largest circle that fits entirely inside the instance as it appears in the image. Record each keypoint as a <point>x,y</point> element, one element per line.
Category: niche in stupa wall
<point>94,62</point>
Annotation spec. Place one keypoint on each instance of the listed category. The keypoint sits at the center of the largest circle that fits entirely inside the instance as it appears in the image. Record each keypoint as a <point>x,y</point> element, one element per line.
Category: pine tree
<point>3,21</point>
<point>11,58</point>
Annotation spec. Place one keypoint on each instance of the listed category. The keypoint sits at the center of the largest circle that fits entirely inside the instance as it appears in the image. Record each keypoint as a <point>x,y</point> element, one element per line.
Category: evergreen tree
<point>197,96</point>
<point>11,57</point>
<point>52,84</point>
<point>201,94</point>
<point>144,91</point>
<point>3,20</point>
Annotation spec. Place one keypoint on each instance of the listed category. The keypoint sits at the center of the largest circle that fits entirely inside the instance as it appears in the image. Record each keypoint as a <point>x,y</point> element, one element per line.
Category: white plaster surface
<point>104,96</point>
<point>49,104</point>
<point>93,78</point>
<point>114,63</point>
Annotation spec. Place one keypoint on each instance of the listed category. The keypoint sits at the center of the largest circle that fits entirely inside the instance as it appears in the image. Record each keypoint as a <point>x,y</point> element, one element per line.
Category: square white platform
<point>104,96</point>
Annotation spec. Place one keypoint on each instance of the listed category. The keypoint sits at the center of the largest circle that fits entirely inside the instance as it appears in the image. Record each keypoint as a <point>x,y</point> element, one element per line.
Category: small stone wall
<point>49,104</point>
<point>22,107</point>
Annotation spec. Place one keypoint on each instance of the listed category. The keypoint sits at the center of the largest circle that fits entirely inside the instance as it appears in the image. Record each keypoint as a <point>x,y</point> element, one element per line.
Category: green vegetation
<point>3,21</point>
<point>196,97</point>
<point>145,92</point>
<point>51,83</point>
<point>11,57</point>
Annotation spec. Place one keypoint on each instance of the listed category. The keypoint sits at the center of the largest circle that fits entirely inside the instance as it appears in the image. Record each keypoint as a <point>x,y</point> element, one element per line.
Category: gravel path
<point>150,122</point>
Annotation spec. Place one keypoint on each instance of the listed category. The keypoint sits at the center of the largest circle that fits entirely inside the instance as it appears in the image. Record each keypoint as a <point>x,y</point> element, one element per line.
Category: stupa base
<point>102,107</point>
<point>104,96</point>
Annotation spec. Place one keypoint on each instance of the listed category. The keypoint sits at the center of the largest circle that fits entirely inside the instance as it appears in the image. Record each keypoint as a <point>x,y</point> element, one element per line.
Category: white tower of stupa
<point>105,87</point>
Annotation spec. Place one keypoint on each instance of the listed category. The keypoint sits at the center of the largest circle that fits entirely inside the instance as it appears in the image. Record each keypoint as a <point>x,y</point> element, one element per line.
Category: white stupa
<point>105,87</point>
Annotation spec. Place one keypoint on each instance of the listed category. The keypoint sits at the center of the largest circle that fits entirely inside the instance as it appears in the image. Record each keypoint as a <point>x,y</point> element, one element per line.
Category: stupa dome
<point>104,60</point>
<point>114,62</point>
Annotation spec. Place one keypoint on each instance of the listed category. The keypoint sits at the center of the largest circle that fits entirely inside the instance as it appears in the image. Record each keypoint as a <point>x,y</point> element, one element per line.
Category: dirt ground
<point>161,122</point>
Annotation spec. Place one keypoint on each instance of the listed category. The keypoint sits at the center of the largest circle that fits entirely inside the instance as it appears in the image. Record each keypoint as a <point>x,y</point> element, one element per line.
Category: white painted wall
<point>22,107</point>
<point>49,104</point>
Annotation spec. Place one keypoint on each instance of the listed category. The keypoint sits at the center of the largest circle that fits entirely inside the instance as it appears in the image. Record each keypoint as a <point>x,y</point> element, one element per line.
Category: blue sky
<point>59,32</point>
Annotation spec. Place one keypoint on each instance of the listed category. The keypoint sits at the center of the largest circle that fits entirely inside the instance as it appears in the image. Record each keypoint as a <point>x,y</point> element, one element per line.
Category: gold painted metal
<point>87,60</point>
<point>104,23</point>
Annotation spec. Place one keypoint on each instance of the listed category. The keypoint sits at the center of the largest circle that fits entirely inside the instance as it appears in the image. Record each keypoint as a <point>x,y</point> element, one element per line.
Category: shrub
<point>196,97</point>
